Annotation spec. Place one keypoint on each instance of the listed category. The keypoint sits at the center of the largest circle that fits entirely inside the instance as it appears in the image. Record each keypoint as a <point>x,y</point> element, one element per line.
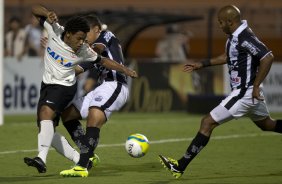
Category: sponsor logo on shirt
<point>235,79</point>
<point>251,47</point>
<point>58,58</point>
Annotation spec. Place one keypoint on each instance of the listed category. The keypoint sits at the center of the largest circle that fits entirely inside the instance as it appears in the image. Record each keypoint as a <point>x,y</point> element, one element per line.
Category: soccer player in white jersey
<point>65,49</point>
<point>98,105</point>
<point>249,62</point>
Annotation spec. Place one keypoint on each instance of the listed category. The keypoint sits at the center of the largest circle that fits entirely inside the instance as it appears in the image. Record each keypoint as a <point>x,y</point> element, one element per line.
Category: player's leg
<point>46,132</point>
<point>53,99</point>
<point>70,118</point>
<point>45,136</point>
<point>63,147</point>
<point>96,119</point>
<point>227,110</point>
<point>260,116</point>
<point>208,123</point>
<point>88,142</point>
<point>97,106</point>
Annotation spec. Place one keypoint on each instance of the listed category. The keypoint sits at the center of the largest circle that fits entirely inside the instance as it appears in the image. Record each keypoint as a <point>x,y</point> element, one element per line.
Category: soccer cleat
<point>93,162</point>
<point>171,165</point>
<point>37,163</point>
<point>76,171</point>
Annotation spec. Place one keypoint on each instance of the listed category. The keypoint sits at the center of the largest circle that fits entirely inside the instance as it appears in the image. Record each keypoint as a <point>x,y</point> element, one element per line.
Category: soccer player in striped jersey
<point>98,105</point>
<point>65,49</point>
<point>249,62</point>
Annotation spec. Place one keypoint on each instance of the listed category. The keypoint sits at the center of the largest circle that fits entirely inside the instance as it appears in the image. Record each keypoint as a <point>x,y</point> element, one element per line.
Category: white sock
<point>63,147</point>
<point>45,137</point>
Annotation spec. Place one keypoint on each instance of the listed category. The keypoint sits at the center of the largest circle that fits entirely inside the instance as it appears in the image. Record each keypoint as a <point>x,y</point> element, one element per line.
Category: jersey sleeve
<point>255,47</point>
<point>57,28</point>
<point>48,27</point>
<point>105,39</point>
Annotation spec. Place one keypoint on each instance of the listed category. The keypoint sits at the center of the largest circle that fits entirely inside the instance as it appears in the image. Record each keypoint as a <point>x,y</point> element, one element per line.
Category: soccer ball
<point>137,145</point>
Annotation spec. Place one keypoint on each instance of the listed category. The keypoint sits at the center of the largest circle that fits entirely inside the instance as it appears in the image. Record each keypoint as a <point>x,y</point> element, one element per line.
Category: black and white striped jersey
<point>244,52</point>
<point>113,51</point>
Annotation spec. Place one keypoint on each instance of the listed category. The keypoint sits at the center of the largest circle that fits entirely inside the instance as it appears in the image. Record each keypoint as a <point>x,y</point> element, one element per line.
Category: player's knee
<point>206,124</point>
<point>266,125</point>
<point>70,114</point>
<point>46,113</point>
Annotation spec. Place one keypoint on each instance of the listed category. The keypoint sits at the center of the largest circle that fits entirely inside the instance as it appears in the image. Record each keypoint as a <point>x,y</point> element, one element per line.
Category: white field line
<point>162,141</point>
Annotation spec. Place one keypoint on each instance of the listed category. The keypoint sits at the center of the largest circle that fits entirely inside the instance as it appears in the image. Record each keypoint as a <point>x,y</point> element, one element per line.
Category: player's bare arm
<point>265,65</point>
<point>78,70</point>
<point>194,65</point>
<point>40,11</point>
<point>99,48</point>
<point>112,65</point>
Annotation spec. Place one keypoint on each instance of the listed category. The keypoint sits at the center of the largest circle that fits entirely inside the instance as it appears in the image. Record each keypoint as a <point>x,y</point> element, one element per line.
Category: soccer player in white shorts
<point>249,62</point>
<point>97,105</point>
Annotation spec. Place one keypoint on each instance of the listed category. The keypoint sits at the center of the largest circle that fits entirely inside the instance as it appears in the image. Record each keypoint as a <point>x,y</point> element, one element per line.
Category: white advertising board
<point>21,85</point>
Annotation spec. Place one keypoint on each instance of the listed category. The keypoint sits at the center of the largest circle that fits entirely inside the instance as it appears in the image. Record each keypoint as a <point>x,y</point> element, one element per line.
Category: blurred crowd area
<point>23,39</point>
<point>185,39</point>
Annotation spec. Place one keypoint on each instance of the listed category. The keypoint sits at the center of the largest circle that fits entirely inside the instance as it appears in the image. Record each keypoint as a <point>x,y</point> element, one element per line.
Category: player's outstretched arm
<point>112,65</point>
<point>193,65</point>
<point>40,11</point>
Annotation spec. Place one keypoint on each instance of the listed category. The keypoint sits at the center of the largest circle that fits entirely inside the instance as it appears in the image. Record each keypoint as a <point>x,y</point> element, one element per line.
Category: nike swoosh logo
<point>172,168</point>
<point>78,169</point>
<point>49,102</point>
<point>44,146</point>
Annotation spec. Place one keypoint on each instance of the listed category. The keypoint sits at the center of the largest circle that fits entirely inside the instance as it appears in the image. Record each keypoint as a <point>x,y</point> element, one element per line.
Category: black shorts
<point>56,96</point>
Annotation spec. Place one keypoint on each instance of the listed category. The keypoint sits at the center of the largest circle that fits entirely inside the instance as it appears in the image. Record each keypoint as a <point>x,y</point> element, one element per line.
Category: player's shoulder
<point>107,35</point>
<point>247,34</point>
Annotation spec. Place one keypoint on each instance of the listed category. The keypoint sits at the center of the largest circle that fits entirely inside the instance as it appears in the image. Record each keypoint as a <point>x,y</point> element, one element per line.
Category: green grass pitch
<point>238,153</point>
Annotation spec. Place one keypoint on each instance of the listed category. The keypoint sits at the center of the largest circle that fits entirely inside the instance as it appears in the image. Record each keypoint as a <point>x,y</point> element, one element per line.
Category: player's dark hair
<point>93,20</point>
<point>76,24</point>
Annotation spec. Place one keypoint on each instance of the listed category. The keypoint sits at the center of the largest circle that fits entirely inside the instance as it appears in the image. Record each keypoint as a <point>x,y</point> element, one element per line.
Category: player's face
<point>75,40</point>
<point>223,24</point>
<point>93,34</point>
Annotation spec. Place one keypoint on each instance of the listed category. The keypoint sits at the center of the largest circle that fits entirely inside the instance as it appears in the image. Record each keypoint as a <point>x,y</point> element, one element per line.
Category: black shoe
<point>37,163</point>
<point>171,165</point>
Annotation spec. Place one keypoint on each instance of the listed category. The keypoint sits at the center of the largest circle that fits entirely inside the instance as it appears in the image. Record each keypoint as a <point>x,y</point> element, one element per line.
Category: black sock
<point>278,126</point>
<point>198,143</point>
<point>88,145</point>
<point>75,130</point>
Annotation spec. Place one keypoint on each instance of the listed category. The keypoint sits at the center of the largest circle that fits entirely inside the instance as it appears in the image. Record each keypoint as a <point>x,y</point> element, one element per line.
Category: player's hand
<point>256,94</point>
<point>52,17</point>
<point>131,73</point>
<point>43,42</point>
<point>192,65</point>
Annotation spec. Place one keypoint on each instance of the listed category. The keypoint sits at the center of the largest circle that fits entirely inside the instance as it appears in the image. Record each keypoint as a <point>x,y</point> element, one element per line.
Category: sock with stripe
<point>76,131</point>
<point>198,143</point>
<point>88,144</point>
<point>45,138</point>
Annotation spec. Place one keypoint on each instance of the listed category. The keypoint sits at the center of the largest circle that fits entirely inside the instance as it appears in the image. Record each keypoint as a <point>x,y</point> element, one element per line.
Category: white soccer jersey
<point>60,59</point>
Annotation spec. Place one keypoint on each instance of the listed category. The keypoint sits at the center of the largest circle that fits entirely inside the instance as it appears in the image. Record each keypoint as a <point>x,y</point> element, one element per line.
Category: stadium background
<point>161,86</point>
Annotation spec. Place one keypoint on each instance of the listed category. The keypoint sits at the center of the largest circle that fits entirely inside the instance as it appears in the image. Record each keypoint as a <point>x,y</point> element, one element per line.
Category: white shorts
<point>239,103</point>
<point>109,97</point>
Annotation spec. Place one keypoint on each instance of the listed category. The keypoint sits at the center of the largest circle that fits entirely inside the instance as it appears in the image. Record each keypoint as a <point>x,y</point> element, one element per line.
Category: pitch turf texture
<point>238,153</point>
